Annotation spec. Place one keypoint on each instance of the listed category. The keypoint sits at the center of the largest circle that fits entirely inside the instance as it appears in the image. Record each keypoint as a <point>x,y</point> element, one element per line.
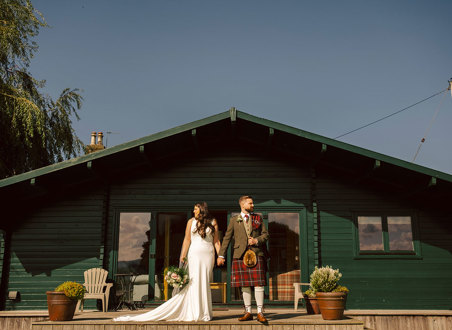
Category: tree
<point>35,130</point>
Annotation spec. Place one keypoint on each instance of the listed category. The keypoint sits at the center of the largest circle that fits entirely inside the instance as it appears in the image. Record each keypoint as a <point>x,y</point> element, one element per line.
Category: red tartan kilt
<point>244,276</point>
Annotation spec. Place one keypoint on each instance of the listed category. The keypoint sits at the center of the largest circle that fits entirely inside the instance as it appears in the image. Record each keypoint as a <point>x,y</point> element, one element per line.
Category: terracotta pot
<point>61,308</point>
<point>332,304</point>
<point>312,307</point>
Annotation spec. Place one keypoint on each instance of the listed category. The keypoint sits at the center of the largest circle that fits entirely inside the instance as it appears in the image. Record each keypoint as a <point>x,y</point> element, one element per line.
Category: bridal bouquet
<point>176,277</point>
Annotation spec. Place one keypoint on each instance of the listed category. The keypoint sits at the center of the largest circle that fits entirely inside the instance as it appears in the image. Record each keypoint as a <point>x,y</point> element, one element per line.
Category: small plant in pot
<point>331,296</point>
<point>63,300</point>
<point>312,307</point>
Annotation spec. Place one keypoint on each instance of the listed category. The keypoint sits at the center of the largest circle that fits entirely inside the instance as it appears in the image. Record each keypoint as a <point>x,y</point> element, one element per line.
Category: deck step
<point>226,320</point>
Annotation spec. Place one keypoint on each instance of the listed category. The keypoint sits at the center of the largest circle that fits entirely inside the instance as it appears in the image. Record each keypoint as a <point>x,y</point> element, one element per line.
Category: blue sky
<point>326,67</point>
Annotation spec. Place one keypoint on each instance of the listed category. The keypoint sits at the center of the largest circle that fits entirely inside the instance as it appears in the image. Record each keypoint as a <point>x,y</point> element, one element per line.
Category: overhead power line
<point>428,128</point>
<point>431,121</point>
<point>392,114</point>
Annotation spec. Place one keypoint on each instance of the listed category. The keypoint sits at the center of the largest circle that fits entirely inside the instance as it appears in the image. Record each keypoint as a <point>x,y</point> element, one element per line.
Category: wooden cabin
<point>385,223</point>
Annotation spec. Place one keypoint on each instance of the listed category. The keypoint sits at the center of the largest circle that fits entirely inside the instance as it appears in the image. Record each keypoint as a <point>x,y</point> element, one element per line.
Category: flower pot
<point>312,307</point>
<point>61,308</point>
<point>332,304</point>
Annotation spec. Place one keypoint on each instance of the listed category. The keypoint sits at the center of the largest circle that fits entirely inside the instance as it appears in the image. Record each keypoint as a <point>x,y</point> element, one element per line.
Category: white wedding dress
<point>194,301</point>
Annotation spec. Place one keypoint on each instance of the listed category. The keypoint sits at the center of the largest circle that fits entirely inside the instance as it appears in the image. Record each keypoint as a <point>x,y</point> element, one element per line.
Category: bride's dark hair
<point>204,220</point>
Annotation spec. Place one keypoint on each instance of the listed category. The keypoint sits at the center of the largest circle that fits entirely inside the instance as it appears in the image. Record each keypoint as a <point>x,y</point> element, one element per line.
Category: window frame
<point>386,253</point>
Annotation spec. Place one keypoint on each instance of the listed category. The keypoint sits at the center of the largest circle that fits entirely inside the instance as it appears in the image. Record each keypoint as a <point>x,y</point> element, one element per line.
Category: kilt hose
<point>244,276</point>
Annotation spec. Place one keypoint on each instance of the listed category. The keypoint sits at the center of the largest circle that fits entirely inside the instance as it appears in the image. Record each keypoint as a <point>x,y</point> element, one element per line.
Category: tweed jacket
<point>236,232</point>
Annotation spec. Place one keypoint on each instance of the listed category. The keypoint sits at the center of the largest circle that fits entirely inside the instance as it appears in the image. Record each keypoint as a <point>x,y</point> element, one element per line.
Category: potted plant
<point>312,307</point>
<point>331,297</point>
<point>62,301</point>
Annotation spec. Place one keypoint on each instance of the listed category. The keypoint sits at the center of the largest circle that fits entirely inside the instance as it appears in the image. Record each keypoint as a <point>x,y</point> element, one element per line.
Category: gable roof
<point>233,116</point>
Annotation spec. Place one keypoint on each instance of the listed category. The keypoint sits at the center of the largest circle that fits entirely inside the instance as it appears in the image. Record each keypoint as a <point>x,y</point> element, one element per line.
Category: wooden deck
<point>226,318</point>
<point>279,319</point>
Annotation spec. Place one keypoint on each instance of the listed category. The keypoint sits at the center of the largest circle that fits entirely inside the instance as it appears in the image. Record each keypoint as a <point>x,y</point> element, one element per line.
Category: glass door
<point>284,256</point>
<point>170,232</point>
<point>284,251</point>
<point>132,270</point>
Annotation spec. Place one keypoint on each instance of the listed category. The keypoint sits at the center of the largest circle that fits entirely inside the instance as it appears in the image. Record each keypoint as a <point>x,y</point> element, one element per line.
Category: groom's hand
<point>220,261</point>
<point>252,241</point>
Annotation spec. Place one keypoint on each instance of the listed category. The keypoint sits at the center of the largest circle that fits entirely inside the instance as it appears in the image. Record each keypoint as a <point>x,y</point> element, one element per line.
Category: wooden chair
<point>96,287</point>
<point>298,293</point>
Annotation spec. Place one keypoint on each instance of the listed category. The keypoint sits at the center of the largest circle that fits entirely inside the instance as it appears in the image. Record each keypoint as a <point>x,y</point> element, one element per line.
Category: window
<point>284,263</point>
<point>370,233</point>
<point>133,243</point>
<point>387,234</point>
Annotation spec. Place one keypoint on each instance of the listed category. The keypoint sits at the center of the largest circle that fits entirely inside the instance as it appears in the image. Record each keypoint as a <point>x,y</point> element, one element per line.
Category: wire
<point>392,114</point>
<point>428,128</point>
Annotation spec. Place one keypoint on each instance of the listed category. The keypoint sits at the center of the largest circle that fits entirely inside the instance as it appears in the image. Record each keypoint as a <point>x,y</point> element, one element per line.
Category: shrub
<point>310,293</point>
<point>341,288</point>
<point>72,290</point>
<point>324,279</point>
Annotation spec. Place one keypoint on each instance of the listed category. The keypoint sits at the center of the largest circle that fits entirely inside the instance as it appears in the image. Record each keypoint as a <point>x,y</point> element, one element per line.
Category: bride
<point>194,301</point>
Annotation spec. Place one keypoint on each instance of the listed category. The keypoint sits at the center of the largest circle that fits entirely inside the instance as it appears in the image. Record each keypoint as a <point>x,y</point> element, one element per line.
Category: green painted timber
<point>391,281</point>
<point>2,252</point>
<point>60,238</point>
<point>234,116</point>
<point>218,177</point>
<point>345,146</point>
<point>56,243</point>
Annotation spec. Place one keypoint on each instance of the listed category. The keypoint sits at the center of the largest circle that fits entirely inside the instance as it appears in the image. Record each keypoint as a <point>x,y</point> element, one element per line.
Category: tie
<point>246,217</point>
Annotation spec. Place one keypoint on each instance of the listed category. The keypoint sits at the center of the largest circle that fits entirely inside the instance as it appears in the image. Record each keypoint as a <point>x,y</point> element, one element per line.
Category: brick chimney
<point>100,137</point>
<point>93,146</point>
<point>93,138</point>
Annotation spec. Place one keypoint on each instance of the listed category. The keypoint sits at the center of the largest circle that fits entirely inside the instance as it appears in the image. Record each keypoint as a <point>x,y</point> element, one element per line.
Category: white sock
<point>259,295</point>
<point>246,293</point>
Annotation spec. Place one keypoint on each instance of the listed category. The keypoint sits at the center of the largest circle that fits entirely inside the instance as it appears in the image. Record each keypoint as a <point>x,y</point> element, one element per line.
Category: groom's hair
<point>242,198</point>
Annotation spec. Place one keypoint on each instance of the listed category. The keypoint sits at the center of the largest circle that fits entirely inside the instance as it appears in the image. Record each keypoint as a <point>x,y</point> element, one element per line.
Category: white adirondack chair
<point>96,287</point>
<point>298,293</point>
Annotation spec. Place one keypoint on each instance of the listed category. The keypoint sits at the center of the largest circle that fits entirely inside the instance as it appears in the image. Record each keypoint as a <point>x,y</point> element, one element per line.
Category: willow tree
<point>35,130</point>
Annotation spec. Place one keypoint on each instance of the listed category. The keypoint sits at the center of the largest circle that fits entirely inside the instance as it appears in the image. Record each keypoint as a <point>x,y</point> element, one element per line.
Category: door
<point>170,232</point>
<point>284,251</point>
<point>133,256</point>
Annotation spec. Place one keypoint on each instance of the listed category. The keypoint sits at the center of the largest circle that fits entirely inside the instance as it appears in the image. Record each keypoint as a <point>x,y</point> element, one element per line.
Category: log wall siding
<point>61,239</point>
<point>219,179</point>
<point>2,253</point>
<point>57,243</point>
<point>385,283</point>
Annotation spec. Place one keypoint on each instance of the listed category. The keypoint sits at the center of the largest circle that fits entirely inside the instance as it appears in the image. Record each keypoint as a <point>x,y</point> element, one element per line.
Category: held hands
<point>220,261</point>
<point>252,241</point>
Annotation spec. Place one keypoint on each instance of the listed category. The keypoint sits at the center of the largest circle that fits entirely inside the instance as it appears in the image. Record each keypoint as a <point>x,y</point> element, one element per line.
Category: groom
<point>247,229</point>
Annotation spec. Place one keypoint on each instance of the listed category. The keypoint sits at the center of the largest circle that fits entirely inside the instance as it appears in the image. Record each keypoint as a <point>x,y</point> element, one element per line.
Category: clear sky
<point>326,67</point>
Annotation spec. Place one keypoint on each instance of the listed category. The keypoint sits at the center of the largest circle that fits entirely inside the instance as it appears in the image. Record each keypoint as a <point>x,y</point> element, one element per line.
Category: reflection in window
<point>170,236</point>
<point>370,233</point>
<point>133,246</point>
<point>400,233</point>
<point>284,254</point>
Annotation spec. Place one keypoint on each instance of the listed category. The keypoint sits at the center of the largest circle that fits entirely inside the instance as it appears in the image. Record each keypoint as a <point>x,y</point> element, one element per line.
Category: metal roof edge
<point>109,151</point>
<point>346,146</point>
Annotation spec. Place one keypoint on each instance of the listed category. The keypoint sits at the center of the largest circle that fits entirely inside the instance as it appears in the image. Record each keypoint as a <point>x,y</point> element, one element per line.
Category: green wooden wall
<point>400,282</point>
<point>2,253</point>
<point>56,243</point>
<point>63,237</point>
<point>219,178</point>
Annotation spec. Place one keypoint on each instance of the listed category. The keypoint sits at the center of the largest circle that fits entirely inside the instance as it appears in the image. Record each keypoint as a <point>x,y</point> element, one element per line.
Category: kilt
<point>244,276</point>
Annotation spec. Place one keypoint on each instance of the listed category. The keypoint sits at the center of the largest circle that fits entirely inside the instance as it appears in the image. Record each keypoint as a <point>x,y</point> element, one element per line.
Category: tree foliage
<point>35,130</point>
